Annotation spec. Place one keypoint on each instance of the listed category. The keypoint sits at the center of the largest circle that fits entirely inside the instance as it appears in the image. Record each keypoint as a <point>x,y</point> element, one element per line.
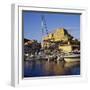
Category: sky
<point>33,29</point>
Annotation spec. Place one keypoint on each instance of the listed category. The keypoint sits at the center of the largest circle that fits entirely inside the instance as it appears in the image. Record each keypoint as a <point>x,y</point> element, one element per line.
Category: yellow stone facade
<point>57,35</point>
<point>66,48</point>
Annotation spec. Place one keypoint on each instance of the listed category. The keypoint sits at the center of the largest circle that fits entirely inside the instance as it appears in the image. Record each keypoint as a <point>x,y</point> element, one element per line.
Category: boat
<point>71,57</point>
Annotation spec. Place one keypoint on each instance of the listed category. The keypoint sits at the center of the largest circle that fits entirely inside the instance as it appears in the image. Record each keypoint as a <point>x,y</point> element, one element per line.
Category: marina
<point>71,57</point>
<point>41,65</point>
<point>50,52</point>
<point>50,68</point>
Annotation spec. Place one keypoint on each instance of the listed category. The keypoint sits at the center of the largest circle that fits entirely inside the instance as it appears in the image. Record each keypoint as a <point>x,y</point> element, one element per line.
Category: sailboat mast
<point>44,28</point>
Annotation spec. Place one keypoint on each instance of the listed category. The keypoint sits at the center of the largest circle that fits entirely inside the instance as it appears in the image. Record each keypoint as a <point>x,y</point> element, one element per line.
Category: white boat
<point>72,57</point>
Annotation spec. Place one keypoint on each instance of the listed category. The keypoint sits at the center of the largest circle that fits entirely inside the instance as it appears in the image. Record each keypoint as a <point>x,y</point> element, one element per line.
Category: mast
<point>44,28</point>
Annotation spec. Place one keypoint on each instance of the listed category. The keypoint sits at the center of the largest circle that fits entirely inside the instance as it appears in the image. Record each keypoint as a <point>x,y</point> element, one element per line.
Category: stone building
<point>61,38</point>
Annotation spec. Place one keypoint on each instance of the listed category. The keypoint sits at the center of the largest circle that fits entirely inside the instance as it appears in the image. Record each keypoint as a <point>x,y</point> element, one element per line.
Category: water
<point>50,68</point>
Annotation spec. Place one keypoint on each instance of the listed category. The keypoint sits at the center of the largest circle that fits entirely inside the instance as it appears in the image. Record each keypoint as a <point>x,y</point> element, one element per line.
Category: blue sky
<point>32,23</point>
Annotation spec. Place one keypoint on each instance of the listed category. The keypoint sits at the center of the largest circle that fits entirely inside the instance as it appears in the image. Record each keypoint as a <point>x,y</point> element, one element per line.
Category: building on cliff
<point>62,40</point>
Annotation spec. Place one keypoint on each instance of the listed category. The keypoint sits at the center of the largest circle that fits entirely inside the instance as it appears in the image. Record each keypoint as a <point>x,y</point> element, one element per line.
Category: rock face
<point>60,39</point>
<point>60,34</point>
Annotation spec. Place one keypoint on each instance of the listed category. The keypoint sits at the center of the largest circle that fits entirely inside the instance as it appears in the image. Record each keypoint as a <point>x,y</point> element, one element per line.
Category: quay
<point>47,57</point>
<point>62,58</point>
<point>56,46</point>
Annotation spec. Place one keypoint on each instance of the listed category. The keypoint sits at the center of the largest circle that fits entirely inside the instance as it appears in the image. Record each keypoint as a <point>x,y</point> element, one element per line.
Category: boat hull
<point>74,59</point>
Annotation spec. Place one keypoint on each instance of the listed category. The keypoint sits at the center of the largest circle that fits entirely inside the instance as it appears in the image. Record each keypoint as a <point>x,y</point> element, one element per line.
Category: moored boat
<point>71,57</point>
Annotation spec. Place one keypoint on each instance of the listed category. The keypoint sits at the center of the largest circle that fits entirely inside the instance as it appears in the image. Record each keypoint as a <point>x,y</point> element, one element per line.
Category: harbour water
<point>39,68</point>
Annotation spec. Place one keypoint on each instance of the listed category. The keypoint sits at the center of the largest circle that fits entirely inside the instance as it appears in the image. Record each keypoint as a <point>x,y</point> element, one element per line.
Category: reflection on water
<point>50,68</point>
